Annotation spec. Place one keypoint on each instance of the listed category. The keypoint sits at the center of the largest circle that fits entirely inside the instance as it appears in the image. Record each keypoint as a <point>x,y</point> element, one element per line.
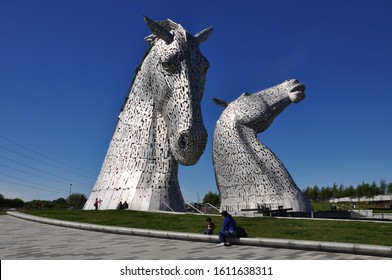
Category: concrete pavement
<point>53,239</point>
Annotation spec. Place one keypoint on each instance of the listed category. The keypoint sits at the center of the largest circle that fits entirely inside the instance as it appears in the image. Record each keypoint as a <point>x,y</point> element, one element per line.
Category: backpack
<point>241,232</point>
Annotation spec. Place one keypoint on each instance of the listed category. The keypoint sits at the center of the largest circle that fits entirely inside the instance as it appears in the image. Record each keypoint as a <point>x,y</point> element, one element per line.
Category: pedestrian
<point>209,226</point>
<point>96,204</point>
<point>120,206</point>
<point>228,229</point>
<point>125,205</point>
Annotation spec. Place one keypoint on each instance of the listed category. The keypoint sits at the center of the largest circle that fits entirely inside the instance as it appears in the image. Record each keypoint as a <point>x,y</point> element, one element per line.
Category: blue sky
<point>65,68</point>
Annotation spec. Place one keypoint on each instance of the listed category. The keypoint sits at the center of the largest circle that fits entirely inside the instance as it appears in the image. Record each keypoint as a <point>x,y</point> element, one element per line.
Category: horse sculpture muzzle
<point>189,145</point>
<point>297,93</point>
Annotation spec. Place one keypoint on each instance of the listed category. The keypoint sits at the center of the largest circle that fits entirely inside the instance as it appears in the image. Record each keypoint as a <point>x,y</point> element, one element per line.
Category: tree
<point>60,203</point>
<point>389,189</point>
<point>350,191</point>
<point>34,204</point>
<point>383,187</point>
<point>374,190</point>
<point>308,192</point>
<point>77,200</point>
<point>341,191</point>
<point>10,203</point>
<point>315,194</point>
<point>334,191</point>
<point>212,198</point>
<point>366,190</point>
<point>326,194</point>
<point>363,190</point>
<point>17,203</point>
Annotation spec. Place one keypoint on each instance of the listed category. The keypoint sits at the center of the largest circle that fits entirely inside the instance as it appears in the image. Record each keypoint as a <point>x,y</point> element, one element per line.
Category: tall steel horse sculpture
<point>248,174</point>
<point>160,124</point>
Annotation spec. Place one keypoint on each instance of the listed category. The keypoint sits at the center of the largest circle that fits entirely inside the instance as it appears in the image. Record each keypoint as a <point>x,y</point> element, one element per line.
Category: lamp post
<point>197,197</point>
<point>70,191</point>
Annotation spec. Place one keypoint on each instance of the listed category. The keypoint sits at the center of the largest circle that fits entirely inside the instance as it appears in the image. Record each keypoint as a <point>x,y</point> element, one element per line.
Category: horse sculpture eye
<point>169,66</point>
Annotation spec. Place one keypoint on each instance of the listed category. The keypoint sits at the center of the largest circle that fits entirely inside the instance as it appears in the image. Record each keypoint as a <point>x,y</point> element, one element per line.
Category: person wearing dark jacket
<point>228,229</point>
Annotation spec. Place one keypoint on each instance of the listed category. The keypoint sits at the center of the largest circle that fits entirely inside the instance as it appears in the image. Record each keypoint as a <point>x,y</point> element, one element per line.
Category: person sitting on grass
<point>120,206</point>
<point>228,229</point>
<point>125,205</point>
<point>209,226</point>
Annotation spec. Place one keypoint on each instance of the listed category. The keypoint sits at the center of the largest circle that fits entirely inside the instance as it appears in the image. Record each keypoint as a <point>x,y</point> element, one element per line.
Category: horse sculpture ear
<point>159,31</point>
<point>220,102</point>
<point>204,34</point>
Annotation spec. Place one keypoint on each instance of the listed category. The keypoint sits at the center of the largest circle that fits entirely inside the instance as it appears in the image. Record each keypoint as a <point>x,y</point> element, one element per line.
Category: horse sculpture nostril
<point>297,93</point>
<point>189,145</point>
<point>183,141</point>
<point>300,87</point>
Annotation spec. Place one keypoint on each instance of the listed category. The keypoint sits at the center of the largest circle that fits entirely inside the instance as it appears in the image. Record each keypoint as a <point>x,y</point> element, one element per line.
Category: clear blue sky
<point>65,68</point>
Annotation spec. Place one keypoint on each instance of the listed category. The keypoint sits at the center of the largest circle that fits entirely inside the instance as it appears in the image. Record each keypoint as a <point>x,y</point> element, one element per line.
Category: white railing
<point>364,199</point>
<point>212,206</point>
<point>193,207</point>
<point>164,203</point>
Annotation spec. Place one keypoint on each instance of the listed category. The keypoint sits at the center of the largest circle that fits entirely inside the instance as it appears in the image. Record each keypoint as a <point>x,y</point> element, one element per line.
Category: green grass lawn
<point>302,229</point>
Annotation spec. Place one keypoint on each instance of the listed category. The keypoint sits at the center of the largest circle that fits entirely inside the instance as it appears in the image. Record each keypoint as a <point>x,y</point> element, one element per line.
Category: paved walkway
<point>23,239</point>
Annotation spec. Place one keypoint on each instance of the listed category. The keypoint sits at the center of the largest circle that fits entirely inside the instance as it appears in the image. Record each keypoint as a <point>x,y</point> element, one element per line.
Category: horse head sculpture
<point>258,110</point>
<point>160,124</point>
<point>248,174</point>
<point>178,77</point>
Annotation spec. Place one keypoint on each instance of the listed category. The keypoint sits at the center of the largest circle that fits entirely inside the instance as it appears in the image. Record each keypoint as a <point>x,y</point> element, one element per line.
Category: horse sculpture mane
<point>247,173</point>
<point>160,124</point>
